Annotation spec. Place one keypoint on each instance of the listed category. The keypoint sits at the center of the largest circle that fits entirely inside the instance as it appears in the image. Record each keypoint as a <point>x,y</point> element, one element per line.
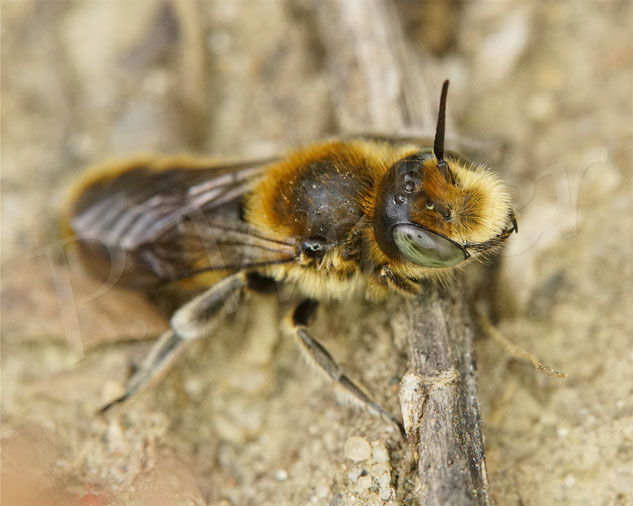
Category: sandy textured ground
<point>240,420</point>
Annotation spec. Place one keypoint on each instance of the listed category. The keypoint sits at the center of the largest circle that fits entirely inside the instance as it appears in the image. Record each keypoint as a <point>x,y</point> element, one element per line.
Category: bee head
<point>431,208</point>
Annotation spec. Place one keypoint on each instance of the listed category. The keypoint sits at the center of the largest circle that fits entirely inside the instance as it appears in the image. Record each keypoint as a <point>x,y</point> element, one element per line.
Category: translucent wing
<point>150,221</point>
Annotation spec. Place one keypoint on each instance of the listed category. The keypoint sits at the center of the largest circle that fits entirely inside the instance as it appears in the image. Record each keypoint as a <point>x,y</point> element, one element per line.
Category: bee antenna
<point>438,143</point>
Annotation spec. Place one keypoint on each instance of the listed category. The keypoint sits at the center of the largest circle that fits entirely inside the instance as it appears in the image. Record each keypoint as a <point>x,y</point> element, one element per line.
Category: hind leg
<point>193,320</point>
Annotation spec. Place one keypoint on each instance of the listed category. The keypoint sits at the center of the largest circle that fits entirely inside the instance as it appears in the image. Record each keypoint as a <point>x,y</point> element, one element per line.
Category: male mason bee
<point>336,219</point>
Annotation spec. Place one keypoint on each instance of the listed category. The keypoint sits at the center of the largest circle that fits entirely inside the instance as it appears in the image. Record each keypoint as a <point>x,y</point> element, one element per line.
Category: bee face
<point>431,209</point>
<point>412,217</point>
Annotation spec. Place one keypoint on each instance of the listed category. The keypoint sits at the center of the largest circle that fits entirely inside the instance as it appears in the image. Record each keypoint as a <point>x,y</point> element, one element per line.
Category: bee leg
<point>260,284</point>
<point>161,355</point>
<point>193,320</point>
<point>324,362</point>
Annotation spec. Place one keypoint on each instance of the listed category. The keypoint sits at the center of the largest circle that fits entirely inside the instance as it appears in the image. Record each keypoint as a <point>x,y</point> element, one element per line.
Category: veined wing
<point>149,221</point>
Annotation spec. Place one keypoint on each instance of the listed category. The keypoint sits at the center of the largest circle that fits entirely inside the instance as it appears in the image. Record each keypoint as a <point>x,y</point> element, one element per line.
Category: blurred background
<point>548,86</point>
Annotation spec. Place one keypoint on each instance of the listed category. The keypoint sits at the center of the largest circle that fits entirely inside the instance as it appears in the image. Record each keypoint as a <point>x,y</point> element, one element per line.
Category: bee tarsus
<point>162,355</point>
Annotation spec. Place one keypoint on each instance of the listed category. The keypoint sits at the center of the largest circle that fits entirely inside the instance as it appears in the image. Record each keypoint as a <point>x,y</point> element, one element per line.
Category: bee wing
<point>211,242</point>
<point>147,222</point>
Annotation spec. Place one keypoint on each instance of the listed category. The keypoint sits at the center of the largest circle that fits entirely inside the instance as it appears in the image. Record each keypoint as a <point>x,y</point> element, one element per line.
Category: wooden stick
<point>380,85</point>
<point>439,399</point>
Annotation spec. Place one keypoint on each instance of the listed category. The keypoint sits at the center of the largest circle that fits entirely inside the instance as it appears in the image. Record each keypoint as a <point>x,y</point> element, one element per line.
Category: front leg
<point>324,362</point>
<point>383,279</point>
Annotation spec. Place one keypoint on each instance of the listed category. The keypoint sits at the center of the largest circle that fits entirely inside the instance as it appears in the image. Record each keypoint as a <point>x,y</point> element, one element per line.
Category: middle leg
<point>324,362</point>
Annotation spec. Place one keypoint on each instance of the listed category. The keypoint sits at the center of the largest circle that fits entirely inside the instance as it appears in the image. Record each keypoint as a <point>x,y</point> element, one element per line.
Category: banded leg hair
<point>192,321</point>
<point>324,362</point>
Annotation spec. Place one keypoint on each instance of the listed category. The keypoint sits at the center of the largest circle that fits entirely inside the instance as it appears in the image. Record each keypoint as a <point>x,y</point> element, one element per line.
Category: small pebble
<point>386,493</point>
<point>380,453</point>
<point>353,475</point>
<point>357,449</point>
<point>384,480</point>
<point>364,482</point>
<point>321,491</point>
<point>281,475</point>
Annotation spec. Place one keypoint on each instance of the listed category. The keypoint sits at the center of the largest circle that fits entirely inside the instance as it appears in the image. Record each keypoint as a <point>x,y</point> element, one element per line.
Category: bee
<point>337,219</point>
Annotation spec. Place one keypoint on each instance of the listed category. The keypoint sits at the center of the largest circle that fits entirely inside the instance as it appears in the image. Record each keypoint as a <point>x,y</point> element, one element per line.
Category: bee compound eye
<point>426,248</point>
